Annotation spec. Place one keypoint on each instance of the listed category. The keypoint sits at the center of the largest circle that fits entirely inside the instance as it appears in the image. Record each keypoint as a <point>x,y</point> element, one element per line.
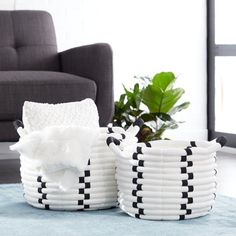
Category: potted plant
<point>154,100</point>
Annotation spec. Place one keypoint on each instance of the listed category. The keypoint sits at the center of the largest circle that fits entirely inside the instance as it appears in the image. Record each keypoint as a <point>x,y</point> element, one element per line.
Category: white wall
<point>147,36</point>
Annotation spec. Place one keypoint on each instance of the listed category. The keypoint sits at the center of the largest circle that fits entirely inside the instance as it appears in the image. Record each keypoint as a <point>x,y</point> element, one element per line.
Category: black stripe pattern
<point>81,191</point>
<point>84,179</point>
<point>138,187</point>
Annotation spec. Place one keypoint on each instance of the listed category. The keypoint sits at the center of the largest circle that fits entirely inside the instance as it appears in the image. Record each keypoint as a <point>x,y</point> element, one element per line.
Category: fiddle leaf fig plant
<point>155,101</point>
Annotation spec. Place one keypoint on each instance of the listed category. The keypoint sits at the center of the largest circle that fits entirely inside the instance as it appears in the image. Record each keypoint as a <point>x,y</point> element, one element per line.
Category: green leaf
<point>146,117</point>
<point>136,89</point>
<point>135,113</point>
<point>158,101</point>
<point>152,98</point>
<point>170,98</point>
<point>122,99</point>
<point>170,125</point>
<point>179,108</point>
<point>137,95</point>
<point>128,93</point>
<point>164,80</point>
<point>160,95</point>
<point>164,117</point>
<point>134,96</point>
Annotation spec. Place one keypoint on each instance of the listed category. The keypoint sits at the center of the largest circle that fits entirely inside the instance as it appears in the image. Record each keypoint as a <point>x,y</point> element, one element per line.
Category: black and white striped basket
<point>96,187</point>
<point>166,180</point>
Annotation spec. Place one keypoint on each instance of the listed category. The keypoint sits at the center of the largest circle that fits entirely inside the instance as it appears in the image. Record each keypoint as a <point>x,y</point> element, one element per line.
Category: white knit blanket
<point>37,116</point>
<point>58,137</point>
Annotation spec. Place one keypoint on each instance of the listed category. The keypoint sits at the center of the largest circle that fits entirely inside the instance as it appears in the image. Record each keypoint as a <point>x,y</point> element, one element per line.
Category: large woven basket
<point>96,187</point>
<point>166,180</point>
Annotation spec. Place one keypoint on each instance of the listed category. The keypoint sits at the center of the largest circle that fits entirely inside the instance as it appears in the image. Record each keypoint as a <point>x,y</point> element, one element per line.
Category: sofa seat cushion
<point>16,87</point>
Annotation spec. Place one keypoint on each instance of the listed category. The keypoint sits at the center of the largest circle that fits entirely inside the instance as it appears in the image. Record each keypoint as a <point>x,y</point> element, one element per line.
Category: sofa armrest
<point>93,62</point>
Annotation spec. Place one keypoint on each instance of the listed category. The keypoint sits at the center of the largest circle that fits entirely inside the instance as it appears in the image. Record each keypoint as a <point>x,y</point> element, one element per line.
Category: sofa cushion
<point>27,41</point>
<point>40,86</point>
<point>8,132</point>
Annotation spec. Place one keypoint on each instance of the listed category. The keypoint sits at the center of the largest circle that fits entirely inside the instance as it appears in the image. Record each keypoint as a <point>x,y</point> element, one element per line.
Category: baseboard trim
<point>187,134</point>
<point>228,150</point>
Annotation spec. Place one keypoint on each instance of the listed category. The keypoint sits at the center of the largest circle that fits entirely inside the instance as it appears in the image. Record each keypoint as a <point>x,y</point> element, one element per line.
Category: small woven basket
<point>166,180</point>
<point>96,187</point>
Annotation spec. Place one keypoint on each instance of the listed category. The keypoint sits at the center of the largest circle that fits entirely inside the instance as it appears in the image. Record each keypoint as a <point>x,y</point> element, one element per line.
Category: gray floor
<point>9,165</point>
<point>226,176</point>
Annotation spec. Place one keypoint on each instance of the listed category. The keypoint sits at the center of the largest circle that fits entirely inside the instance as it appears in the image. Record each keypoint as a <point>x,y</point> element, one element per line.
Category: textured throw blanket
<point>58,138</point>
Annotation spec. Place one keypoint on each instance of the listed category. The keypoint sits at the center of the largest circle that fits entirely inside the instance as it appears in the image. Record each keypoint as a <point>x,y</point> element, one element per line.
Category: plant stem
<point>157,126</point>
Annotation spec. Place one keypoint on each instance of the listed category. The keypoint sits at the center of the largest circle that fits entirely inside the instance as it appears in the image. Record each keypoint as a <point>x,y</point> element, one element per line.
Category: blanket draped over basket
<point>65,162</point>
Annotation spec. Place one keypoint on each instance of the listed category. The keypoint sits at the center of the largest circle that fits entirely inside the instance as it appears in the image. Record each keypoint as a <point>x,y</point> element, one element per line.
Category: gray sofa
<point>32,69</point>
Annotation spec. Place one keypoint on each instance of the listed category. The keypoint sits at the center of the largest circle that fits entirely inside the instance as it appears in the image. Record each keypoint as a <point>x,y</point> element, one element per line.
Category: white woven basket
<point>96,187</point>
<point>166,180</point>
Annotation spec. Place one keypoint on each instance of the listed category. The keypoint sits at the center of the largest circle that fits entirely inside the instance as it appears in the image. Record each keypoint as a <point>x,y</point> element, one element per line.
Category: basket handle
<point>135,127</point>
<point>18,124</point>
<point>19,127</point>
<point>114,144</point>
<point>221,140</point>
<point>218,143</point>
